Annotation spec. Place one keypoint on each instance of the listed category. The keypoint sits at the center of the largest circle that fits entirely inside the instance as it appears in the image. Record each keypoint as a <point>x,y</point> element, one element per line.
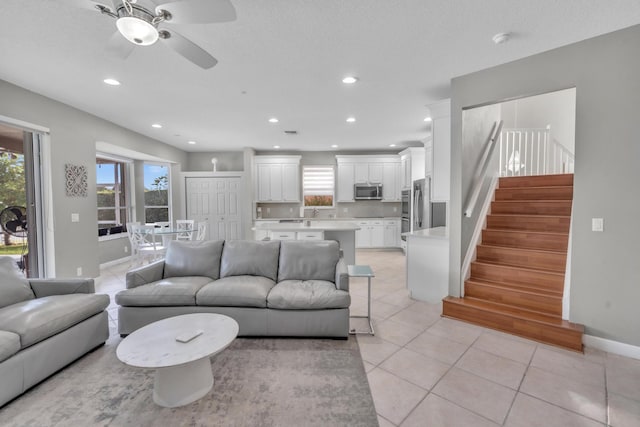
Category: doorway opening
<point>20,199</point>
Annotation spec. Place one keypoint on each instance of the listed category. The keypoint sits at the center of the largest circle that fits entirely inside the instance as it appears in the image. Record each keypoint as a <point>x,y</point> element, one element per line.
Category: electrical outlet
<point>395,209</point>
<point>79,271</point>
<point>345,210</point>
<point>597,224</point>
<point>268,210</point>
<point>126,249</point>
<point>290,210</point>
<point>75,217</point>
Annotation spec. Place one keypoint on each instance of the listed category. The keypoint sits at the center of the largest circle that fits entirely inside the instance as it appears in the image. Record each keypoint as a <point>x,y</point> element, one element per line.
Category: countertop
<point>430,233</point>
<point>364,218</point>
<point>316,225</point>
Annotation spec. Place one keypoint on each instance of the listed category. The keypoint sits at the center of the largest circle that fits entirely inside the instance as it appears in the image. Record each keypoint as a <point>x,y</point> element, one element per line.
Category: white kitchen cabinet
<point>290,183</point>
<point>390,182</point>
<point>345,182</point>
<point>375,173</point>
<point>391,233</point>
<point>361,175</point>
<point>282,235</point>
<point>370,235</point>
<point>428,158</point>
<point>310,235</point>
<point>439,162</point>
<point>412,165</point>
<point>277,179</point>
<point>373,169</point>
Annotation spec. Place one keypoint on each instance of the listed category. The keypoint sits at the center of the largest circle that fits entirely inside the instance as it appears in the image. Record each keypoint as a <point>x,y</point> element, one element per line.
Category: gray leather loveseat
<point>45,324</point>
<point>272,288</point>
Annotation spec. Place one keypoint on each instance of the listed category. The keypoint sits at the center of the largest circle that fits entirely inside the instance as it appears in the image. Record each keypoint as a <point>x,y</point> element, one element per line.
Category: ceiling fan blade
<point>199,11</point>
<point>119,47</point>
<point>92,4</point>
<point>188,49</point>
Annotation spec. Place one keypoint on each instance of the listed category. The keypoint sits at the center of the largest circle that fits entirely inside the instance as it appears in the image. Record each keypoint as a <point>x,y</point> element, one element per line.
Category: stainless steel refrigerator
<point>421,204</point>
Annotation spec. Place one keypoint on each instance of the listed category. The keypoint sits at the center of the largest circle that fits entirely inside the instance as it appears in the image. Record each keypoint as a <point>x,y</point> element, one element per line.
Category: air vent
<point>291,132</point>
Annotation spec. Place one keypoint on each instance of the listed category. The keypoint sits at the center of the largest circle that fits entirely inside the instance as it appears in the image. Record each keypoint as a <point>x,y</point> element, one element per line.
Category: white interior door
<point>217,202</point>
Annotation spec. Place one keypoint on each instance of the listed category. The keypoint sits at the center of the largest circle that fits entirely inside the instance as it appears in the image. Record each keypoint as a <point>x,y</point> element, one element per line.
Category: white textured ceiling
<point>286,58</point>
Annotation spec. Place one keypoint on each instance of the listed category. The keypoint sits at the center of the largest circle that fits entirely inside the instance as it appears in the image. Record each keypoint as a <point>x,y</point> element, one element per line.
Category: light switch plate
<point>597,224</point>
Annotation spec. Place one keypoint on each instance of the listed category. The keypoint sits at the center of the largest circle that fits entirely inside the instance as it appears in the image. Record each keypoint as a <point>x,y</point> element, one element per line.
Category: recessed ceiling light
<point>350,80</point>
<point>351,119</point>
<point>156,125</point>
<point>191,142</point>
<point>500,38</point>
<point>427,119</point>
<point>273,120</point>
<point>276,146</point>
<point>392,145</point>
<point>334,146</point>
<point>112,82</point>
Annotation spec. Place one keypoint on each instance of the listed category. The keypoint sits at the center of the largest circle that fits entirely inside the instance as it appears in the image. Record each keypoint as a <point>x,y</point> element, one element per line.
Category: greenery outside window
<point>318,183</point>
<point>156,193</point>
<point>113,197</point>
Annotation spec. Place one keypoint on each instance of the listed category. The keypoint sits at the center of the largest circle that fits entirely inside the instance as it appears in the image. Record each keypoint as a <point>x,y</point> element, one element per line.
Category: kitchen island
<point>342,231</point>
<point>428,264</point>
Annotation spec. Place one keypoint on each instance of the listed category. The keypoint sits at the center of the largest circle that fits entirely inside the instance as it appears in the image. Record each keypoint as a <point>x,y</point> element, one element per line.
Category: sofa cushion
<point>236,291</point>
<point>165,292</point>
<point>13,286</point>
<point>308,260</point>
<point>198,258</point>
<point>38,319</point>
<point>307,294</point>
<point>9,344</point>
<point>249,257</point>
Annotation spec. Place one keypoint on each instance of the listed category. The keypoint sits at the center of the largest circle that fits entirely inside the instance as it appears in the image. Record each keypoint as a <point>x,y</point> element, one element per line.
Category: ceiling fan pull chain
<point>127,6</point>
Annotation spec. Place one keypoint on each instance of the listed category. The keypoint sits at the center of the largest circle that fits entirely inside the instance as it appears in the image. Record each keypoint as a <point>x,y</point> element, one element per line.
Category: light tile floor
<point>425,370</point>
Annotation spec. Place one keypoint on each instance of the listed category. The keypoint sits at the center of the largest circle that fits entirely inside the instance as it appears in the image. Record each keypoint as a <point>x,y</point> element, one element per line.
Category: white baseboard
<point>115,262</point>
<point>610,346</point>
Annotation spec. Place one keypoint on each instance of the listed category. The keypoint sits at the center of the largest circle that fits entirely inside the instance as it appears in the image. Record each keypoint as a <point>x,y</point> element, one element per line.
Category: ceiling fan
<point>144,26</point>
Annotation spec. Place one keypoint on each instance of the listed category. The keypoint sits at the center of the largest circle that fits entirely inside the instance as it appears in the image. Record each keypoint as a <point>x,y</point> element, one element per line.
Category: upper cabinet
<point>374,169</point>
<point>439,161</point>
<point>277,179</point>
<point>411,166</point>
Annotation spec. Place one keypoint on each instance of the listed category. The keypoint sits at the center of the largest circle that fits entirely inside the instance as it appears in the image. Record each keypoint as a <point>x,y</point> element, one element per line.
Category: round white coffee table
<point>183,369</point>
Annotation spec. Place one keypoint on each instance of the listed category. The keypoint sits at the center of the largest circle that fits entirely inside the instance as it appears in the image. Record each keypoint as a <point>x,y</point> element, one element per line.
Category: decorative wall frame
<point>76,180</point>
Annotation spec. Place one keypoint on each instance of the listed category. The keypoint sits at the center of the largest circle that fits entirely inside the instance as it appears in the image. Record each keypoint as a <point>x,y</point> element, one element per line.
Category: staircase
<point>517,279</point>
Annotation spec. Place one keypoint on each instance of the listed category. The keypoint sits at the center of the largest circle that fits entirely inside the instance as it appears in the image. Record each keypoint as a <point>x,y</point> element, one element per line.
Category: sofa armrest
<point>342,275</point>
<point>145,274</point>
<point>46,287</point>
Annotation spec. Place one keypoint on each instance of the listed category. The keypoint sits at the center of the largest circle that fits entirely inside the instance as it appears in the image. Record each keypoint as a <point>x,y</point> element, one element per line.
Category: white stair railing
<point>525,152</point>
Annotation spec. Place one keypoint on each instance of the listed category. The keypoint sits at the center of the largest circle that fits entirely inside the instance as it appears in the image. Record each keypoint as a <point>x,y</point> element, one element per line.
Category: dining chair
<point>202,230</point>
<point>185,225</point>
<point>145,243</point>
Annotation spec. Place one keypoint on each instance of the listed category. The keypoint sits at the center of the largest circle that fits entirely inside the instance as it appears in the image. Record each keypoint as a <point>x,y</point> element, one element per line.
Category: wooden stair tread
<point>512,215</point>
<point>506,230</point>
<point>523,314</point>
<point>543,251</point>
<point>534,181</point>
<point>516,287</point>
<point>519,268</point>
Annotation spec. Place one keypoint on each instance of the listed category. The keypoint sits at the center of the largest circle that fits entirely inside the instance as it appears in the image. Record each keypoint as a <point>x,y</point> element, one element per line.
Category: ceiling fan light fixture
<point>137,31</point>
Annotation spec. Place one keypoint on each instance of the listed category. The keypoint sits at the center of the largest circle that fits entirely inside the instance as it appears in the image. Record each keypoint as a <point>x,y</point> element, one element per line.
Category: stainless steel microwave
<point>367,191</point>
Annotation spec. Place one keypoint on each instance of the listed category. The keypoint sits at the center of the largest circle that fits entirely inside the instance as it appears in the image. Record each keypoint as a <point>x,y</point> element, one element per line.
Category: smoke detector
<point>500,38</point>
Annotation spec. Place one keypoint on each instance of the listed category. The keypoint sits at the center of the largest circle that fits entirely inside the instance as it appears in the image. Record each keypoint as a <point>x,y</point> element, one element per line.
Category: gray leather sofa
<point>45,324</point>
<point>272,288</point>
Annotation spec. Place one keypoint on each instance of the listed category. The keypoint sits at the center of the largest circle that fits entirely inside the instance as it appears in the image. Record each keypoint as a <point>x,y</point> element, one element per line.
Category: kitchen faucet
<point>315,212</point>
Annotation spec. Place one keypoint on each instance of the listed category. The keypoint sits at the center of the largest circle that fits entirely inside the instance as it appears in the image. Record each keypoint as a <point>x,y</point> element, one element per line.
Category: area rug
<point>257,382</point>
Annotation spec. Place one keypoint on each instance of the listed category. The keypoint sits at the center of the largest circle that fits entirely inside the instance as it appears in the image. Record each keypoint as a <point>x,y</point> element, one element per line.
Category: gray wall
<point>557,109</point>
<point>604,266</point>
<point>73,137</point>
<point>228,161</point>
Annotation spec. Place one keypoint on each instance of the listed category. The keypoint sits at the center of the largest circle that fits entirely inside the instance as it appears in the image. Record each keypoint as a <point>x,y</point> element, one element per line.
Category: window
<point>113,197</point>
<point>318,186</point>
<point>156,193</point>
